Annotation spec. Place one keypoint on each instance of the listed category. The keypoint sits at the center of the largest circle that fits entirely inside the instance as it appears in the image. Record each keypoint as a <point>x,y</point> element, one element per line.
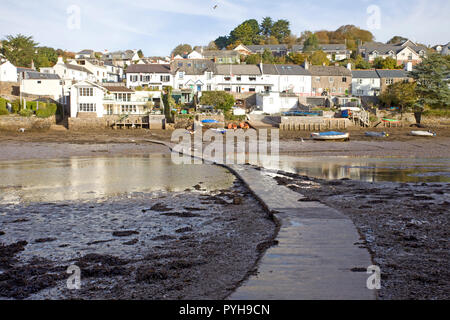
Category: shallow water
<point>368,169</point>
<point>92,178</point>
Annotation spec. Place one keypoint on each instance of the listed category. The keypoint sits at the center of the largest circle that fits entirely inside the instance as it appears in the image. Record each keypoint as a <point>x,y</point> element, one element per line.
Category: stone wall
<point>9,88</point>
<point>314,123</point>
<point>437,122</point>
<point>91,122</point>
<point>16,122</point>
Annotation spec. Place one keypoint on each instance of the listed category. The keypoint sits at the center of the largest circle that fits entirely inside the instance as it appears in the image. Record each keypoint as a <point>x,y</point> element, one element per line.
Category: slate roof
<point>279,69</point>
<point>365,74</point>
<point>86,52</point>
<point>271,47</point>
<point>329,71</point>
<point>220,53</point>
<point>386,48</point>
<point>148,68</point>
<point>239,69</point>
<point>388,73</point>
<point>117,88</point>
<point>77,67</point>
<point>33,75</point>
<point>192,66</point>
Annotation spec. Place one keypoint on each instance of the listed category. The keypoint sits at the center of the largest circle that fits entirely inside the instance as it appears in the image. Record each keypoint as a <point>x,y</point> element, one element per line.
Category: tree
<point>323,36</point>
<point>281,30</point>
<point>297,58</point>
<point>311,44</point>
<point>45,57</point>
<point>20,50</point>
<point>303,36</point>
<point>247,33</point>
<point>253,59</point>
<point>360,63</point>
<point>218,99</point>
<point>401,94</point>
<point>212,46</point>
<point>182,49</point>
<point>319,58</point>
<point>432,86</point>
<point>267,56</point>
<point>222,42</point>
<point>266,26</point>
<point>388,63</point>
<point>272,40</point>
<point>140,54</point>
<point>396,39</point>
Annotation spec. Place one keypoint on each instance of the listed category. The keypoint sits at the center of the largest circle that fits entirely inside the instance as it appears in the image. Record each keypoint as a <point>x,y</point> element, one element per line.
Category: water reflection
<point>368,169</point>
<point>90,178</point>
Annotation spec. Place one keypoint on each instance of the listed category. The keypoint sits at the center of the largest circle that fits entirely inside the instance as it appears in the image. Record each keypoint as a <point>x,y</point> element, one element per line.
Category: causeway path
<point>319,255</point>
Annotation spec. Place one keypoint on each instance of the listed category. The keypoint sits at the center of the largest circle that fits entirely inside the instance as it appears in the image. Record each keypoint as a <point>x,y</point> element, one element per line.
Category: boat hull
<point>322,137</point>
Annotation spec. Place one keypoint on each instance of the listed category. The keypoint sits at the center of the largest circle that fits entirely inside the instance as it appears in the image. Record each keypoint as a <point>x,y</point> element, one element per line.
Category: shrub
<point>15,106</point>
<point>3,109</point>
<point>26,112</point>
<point>46,110</point>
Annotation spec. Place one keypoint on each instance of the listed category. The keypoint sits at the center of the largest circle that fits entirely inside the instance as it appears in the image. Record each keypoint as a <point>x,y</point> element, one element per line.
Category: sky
<point>157,26</point>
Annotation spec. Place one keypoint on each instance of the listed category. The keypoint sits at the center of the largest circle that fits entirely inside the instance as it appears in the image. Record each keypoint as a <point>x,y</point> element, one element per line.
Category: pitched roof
<point>77,67</point>
<point>33,75</point>
<point>117,88</point>
<point>148,68</point>
<point>87,51</point>
<point>120,55</point>
<point>220,53</point>
<point>193,66</point>
<point>391,73</point>
<point>238,69</point>
<point>333,47</point>
<point>330,71</point>
<point>272,47</point>
<point>386,48</point>
<point>288,70</point>
<point>365,74</point>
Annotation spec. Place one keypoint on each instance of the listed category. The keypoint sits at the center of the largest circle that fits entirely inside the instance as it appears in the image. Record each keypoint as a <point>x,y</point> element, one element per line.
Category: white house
<point>8,72</point>
<point>152,76</point>
<point>195,55</point>
<point>96,67</point>
<point>85,54</point>
<point>275,102</point>
<point>89,99</point>
<point>196,75</point>
<point>42,84</point>
<point>70,71</point>
<point>403,52</point>
<point>114,73</point>
<point>366,83</point>
<point>241,79</point>
<point>122,58</point>
<point>287,78</point>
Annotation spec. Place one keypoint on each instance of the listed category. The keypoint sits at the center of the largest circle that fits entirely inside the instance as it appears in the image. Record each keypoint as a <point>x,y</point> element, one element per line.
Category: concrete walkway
<point>318,247</point>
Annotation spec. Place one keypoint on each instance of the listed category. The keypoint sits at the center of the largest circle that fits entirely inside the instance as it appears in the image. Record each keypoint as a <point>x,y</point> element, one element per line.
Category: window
<point>86,92</point>
<point>227,78</point>
<point>360,81</point>
<point>331,79</point>
<point>252,89</point>
<point>109,109</point>
<point>227,89</point>
<point>389,81</point>
<point>180,64</point>
<point>39,82</point>
<point>208,87</point>
<point>344,79</point>
<point>360,92</point>
<point>252,78</point>
<point>239,78</point>
<point>317,79</point>
<point>165,78</point>
<point>129,109</point>
<point>87,107</point>
<point>209,75</point>
<point>181,75</point>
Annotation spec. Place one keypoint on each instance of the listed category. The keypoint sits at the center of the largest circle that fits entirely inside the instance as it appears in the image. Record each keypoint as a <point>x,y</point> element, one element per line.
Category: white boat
<point>331,136</point>
<point>423,133</point>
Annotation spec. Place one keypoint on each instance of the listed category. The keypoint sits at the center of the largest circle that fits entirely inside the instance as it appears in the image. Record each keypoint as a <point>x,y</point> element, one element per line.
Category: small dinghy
<point>332,135</point>
<point>377,134</point>
<point>209,121</point>
<point>423,133</point>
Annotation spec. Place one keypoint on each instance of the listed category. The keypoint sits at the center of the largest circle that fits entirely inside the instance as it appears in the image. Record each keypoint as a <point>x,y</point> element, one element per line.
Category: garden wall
<point>16,122</point>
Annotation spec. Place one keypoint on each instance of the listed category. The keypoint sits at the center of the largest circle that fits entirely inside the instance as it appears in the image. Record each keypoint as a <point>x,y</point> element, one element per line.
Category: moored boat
<point>377,134</point>
<point>423,133</point>
<point>332,135</point>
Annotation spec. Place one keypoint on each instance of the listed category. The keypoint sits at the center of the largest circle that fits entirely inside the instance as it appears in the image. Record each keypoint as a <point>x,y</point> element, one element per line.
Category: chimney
<point>60,60</point>
<point>306,64</point>
<point>409,66</point>
<point>349,66</point>
<point>261,66</point>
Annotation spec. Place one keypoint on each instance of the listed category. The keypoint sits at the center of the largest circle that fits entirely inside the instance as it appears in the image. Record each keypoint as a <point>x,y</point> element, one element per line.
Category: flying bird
<point>215,7</point>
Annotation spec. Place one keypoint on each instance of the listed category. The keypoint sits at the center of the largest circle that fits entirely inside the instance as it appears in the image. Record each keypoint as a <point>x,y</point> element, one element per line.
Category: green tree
<point>222,42</point>
<point>319,58</point>
<point>360,63</point>
<point>267,56</point>
<point>281,30</point>
<point>432,84</point>
<point>396,39</point>
<point>20,50</point>
<point>253,59</point>
<point>182,49</point>
<point>220,100</point>
<point>297,58</point>
<point>311,43</point>
<point>400,94</point>
<point>266,26</point>
<point>45,57</point>
<point>247,33</point>
<point>388,63</point>
<point>140,54</point>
